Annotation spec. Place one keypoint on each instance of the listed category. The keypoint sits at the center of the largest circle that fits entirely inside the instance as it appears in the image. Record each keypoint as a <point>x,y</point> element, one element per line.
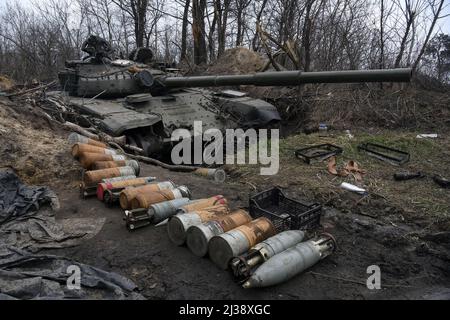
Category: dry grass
<point>414,200</point>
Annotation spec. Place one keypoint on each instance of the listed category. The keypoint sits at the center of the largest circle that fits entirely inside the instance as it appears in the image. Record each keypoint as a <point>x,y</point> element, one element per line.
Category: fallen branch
<point>30,90</point>
<point>80,130</point>
<point>172,167</point>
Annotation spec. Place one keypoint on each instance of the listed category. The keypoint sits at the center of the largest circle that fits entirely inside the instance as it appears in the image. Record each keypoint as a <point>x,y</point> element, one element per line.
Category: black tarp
<point>30,276</point>
<point>18,199</point>
<point>27,222</point>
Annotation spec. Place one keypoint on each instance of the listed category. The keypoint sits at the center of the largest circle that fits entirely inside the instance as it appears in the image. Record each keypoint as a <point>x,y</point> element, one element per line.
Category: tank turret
<point>146,101</point>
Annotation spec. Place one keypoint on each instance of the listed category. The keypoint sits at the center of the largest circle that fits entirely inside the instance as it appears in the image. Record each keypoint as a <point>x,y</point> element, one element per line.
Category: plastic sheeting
<point>17,199</point>
<point>27,222</point>
<point>29,276</point>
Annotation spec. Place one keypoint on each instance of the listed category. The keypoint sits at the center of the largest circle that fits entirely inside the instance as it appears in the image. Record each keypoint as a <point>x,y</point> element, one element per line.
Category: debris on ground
<point>350,168</point>
<point>18,200</point>
<point>384,153</point>
<point>427,135</point>
<point>6,84</point>
<point>406,175</point>
<point>31,276</point>
<point>353,188</point>
<point>441,181</point>
<point>28,222</point>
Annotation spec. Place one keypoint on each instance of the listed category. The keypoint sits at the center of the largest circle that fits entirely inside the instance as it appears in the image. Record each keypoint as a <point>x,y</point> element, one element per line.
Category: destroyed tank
<point>146,102</point>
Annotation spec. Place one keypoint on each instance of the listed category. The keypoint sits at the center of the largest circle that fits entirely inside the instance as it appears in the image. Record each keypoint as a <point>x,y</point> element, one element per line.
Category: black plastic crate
<point>285,213</point>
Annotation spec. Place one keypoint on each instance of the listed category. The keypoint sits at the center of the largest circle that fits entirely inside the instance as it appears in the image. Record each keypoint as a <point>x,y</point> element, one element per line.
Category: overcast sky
<point>444,24</point>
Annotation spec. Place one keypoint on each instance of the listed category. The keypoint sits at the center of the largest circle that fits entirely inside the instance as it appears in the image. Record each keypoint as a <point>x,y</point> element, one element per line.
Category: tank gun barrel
<point>292,78</point>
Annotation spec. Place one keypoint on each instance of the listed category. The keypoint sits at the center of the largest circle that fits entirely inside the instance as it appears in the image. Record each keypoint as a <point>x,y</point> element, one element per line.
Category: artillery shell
<point>243,265</point>
<point>198,237</point>
<point>224,247</point>
<point>202,204</point>
<point>87,159</point>
<point>94,177</point>
<point>79,148</point>
<point>127,195</point>
<point>78,138</point>
<point>179,224</point>
<point>154,215</point>
<point>217,175</point>
<point>146,199</point>
<point>161,211</point>
<point>116,179</point>
<point>285,265</point>
<point>98,165</point>
<point>134,182</point>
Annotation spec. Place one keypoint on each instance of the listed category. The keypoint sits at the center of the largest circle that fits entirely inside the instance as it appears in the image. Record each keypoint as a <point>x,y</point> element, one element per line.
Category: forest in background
<point>310,35</point>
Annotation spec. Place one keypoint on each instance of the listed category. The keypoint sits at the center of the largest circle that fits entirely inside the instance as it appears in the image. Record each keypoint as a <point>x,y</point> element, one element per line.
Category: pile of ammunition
<point>251,248</point>
<point>255,253</point>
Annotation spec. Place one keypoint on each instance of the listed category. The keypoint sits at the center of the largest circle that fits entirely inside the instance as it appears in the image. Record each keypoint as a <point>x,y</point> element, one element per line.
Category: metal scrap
<point>384,153</point>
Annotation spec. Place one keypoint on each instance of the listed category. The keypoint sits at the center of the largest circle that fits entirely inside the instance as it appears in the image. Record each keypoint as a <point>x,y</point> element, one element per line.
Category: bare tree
<point>437,7</point>
<point>198,31</point>
<point>137,10</point>
<point>184,30</point>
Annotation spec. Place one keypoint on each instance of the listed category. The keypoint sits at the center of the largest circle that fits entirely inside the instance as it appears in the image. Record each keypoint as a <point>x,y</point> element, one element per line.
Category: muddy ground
<point>411,247</point>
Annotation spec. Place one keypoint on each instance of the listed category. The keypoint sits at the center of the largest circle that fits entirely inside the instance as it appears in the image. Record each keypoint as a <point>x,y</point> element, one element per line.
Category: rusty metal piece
<point>390,155</point>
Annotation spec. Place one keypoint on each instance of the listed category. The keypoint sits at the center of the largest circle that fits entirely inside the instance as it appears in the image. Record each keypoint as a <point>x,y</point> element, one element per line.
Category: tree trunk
<point>381,60</point>
<point>184,30</point>
<point>409,21</point>
<point>258,22</point>
<point>306,39</point>
<point>430,32</point>
<point>212,30</point>
<point>198,31</point>
<point>223,26</point>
